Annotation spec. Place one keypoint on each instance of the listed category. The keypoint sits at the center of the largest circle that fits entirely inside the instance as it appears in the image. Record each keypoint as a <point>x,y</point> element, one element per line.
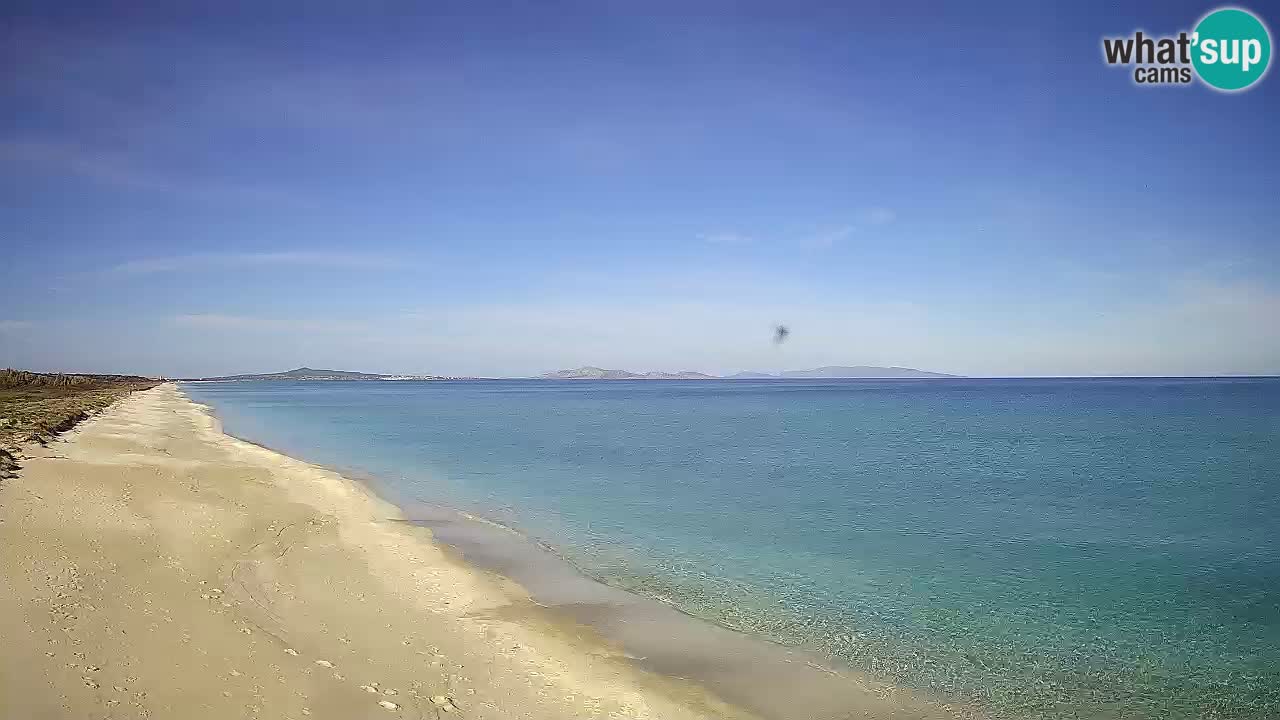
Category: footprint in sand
<point>444,703</point>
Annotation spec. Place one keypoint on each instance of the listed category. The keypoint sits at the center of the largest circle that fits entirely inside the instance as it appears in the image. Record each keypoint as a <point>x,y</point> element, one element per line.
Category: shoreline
<point>161,567</point>
<point>744,669</point>
<point>753,672</point>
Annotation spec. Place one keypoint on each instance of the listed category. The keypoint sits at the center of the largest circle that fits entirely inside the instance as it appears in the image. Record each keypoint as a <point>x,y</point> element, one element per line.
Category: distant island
<point>595,373</point>
<point>829,371</point>
<point>306,373</point>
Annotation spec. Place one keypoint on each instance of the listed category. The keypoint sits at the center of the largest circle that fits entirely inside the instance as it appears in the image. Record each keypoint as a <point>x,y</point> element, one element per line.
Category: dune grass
<point>36,407</point>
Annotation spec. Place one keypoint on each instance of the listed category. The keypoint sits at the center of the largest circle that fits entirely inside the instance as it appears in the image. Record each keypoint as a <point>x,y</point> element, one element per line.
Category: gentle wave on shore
<point>1045,548</point>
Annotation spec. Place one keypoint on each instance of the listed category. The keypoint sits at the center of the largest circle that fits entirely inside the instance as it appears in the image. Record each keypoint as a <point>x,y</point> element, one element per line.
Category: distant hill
<point>863,371</point>
<point>589,373</point>
<point>830,371</point>
<point>682,375</point>
<point>306,373</point>
<point>595,373</point>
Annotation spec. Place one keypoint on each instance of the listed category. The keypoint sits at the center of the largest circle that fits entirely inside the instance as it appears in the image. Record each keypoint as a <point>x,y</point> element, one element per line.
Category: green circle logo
<point>1232,49</point>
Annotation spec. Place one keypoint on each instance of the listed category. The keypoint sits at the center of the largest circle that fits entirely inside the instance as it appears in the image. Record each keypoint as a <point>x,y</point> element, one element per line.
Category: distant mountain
<point>863,371</point>
<point>682,375</point>
<point>830,371</point>
<point>306,373</point>
<point>596,373</point>
<point>589,373</point>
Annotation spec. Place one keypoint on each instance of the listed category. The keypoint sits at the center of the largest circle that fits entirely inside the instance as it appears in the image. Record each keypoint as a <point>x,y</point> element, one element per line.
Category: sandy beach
<point>157,567</point>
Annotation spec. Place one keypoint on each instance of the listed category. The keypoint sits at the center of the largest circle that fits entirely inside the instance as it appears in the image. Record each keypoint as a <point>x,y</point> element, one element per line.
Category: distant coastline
<point>827,371</point>
<point>306,373</point>
<point>590,372</point>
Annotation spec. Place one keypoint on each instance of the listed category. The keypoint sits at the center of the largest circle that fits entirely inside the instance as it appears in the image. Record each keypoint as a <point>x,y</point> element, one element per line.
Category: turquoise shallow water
<point>1046,548</point>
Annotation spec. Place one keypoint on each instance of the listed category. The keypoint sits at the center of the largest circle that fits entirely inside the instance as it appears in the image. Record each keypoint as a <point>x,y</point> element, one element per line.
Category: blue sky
<point>503,189</point>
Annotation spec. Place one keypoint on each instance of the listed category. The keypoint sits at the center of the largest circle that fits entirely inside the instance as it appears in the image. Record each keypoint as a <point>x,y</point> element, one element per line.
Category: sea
<point>1037,548</point>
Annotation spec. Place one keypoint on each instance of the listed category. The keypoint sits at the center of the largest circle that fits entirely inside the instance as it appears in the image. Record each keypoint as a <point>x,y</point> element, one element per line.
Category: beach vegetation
<point>37,407</point>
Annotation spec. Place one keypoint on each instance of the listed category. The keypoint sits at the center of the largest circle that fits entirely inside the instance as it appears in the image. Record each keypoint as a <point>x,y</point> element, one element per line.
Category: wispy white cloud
<point>219,320</point>
<point>308,325</point>
<point>53,156</point>
<point>877,216</point>
<point>14,325</point>
<point>1088,274</point>
<point>303,258</point>
<point>726,238</point>
<point>122,170</point>
<point>1242,303</point>
<point>1190,325</point>
<point>831,236</point>
<point>818,236</point>
<point>863,220</point>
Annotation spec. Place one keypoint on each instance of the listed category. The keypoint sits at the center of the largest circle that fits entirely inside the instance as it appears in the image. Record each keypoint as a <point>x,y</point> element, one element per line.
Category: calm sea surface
<point>1047,548</point>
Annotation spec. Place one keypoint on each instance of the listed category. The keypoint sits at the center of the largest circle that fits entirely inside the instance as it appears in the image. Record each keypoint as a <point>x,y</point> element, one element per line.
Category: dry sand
<point>155,567</point>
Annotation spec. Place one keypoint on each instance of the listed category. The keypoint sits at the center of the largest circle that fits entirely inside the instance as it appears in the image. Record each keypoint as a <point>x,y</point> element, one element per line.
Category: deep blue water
<point>1047,548</point>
